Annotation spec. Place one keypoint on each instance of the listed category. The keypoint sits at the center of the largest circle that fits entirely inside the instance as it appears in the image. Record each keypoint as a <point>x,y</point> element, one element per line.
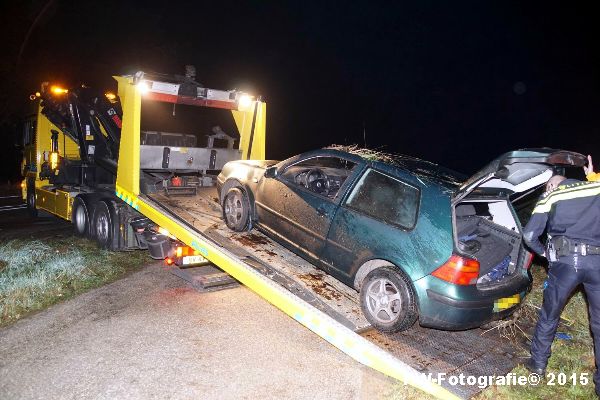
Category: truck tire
<point>104,226</point>
<point>80,216</point>
<point>32,209</point>
<point>388,300</point>
<point>236,210</point>
<point>33,212</point>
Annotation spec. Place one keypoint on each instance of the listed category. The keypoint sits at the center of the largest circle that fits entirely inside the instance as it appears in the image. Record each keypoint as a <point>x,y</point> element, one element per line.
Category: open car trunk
<point>486,226</point>
<point>487,230</point>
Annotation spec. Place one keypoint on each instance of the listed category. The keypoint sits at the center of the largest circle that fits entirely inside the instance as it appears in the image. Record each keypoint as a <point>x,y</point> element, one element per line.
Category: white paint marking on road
<point>9,197</point>
<point>13,205</point>
<point>11,208</point>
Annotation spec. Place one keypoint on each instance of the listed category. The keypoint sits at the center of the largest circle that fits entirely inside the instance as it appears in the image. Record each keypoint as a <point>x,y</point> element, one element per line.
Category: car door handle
<point>321,211</point>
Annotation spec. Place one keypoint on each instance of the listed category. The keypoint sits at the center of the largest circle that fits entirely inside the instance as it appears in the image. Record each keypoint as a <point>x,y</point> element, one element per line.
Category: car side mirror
<point>271,172</point>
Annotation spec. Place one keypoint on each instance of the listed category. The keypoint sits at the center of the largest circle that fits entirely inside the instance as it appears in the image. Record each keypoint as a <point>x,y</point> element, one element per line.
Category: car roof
<point>397,164</point>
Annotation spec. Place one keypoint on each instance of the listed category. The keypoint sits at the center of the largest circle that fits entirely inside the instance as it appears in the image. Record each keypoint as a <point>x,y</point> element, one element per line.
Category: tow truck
<point>128,171</point>
<point>72,156</point>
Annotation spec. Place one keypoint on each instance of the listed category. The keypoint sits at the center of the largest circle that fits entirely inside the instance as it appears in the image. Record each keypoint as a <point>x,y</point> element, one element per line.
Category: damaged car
<point>416,240</point>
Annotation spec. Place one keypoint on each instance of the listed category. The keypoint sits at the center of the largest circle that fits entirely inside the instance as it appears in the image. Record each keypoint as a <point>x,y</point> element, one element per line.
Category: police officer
<point>589,171</point>
<point>569,212</point>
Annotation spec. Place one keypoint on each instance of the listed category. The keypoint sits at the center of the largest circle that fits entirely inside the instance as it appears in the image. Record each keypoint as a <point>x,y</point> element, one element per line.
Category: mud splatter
<point>319,286</point>
<point>251,240</point>
<point>270,253</point>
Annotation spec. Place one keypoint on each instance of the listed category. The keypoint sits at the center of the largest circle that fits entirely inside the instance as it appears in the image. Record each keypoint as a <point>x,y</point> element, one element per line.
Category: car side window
<point>321,175</point>
<point>385,198</point>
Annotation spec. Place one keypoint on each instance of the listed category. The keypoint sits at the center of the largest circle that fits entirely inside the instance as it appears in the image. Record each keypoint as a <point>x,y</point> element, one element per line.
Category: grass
<point>36,274</point>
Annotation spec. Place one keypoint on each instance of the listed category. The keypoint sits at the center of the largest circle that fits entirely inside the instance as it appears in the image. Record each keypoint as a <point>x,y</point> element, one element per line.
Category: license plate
<point>507,302</point>
<point>188,260</point>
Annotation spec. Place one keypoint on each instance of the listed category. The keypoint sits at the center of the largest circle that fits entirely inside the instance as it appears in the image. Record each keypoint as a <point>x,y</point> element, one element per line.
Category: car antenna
<point>365,133</point>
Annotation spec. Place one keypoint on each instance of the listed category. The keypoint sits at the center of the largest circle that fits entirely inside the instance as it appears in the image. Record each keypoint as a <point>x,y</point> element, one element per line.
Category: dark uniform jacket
<point>572,210</point>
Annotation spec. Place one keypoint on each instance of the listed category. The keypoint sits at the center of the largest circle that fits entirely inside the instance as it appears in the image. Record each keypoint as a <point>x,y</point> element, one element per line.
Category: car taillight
<point>458,270</point>
<point>528,260</point>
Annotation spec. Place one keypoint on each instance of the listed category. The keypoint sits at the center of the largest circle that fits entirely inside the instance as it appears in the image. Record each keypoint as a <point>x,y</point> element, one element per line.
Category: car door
<point>375,220</point>
<point>297,209</point>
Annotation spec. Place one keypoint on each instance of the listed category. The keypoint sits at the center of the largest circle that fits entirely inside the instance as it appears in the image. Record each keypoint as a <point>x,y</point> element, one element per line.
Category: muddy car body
<point>416,240</point>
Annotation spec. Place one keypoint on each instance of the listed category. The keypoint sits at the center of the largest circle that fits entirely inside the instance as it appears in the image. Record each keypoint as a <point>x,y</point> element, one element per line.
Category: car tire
<point>236,210</point>
<point>104,226</point>
<point>80,216</point>
<point>388,300</point>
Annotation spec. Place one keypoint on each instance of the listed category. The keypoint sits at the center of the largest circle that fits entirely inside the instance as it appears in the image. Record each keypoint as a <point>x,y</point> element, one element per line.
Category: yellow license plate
<point>507,302</point>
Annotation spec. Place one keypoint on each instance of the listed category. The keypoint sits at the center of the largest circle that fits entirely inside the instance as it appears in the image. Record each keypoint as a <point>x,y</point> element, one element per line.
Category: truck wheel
<point>81,217</point>
<point>31,202</point>
<point>104,226</point>
<point>236,210</point>
<point>388,300</point>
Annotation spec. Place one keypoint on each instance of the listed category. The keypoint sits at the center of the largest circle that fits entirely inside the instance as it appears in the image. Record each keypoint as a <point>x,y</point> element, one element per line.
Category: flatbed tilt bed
<point>426,350</point>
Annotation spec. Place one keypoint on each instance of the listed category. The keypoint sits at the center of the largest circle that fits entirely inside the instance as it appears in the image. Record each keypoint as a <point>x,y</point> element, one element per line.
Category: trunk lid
<point>518,171</point>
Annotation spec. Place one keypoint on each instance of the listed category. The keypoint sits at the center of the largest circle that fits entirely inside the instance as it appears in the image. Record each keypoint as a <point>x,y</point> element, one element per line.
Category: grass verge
<point>36,274</point>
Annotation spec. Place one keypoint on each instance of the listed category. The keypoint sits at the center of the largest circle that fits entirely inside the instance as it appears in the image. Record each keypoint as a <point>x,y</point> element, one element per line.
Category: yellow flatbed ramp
<point>407,356</point>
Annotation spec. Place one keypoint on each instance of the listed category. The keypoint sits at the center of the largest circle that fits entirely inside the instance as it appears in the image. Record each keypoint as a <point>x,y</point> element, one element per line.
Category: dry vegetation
<point>36,274</point>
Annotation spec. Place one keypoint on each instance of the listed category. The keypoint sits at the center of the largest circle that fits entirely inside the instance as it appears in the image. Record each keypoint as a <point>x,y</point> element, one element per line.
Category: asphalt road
<point>150,335</point>
<point>15,221</point>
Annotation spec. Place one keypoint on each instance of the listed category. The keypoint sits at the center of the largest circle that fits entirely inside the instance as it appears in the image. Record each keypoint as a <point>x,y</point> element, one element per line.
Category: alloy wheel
<point>383,300</point>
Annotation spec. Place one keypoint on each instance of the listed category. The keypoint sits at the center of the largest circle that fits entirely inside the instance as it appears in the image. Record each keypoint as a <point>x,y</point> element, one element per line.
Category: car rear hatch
<point>486,227</point>
<point>519,171</point>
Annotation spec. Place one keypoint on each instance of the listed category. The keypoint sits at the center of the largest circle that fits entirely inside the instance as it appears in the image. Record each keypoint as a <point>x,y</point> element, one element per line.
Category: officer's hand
<point>590,167</point>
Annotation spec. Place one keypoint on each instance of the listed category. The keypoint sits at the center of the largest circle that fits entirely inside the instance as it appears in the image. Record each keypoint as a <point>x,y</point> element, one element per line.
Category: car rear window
<point>385,198</point>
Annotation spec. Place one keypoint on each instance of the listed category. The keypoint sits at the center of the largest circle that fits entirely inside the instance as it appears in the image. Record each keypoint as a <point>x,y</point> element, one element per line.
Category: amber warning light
<point>183,251</point>
<point>58,90</point>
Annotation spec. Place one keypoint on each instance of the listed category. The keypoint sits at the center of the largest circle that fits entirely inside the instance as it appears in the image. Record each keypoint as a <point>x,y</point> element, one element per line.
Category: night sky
<point>456,83</point>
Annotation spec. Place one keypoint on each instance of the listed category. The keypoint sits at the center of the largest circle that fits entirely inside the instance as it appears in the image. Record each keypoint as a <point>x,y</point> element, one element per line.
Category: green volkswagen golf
<point>418,241</point>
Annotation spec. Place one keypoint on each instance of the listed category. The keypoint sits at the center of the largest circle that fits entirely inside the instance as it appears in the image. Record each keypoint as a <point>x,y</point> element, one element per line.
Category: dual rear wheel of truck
<point>95,220</point>
<point>81,217</point>
<point>104,225</point>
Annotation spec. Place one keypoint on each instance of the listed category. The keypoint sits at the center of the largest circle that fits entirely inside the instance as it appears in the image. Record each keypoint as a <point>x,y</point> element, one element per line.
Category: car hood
<point>520,170</point>
<point>256,163</point>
